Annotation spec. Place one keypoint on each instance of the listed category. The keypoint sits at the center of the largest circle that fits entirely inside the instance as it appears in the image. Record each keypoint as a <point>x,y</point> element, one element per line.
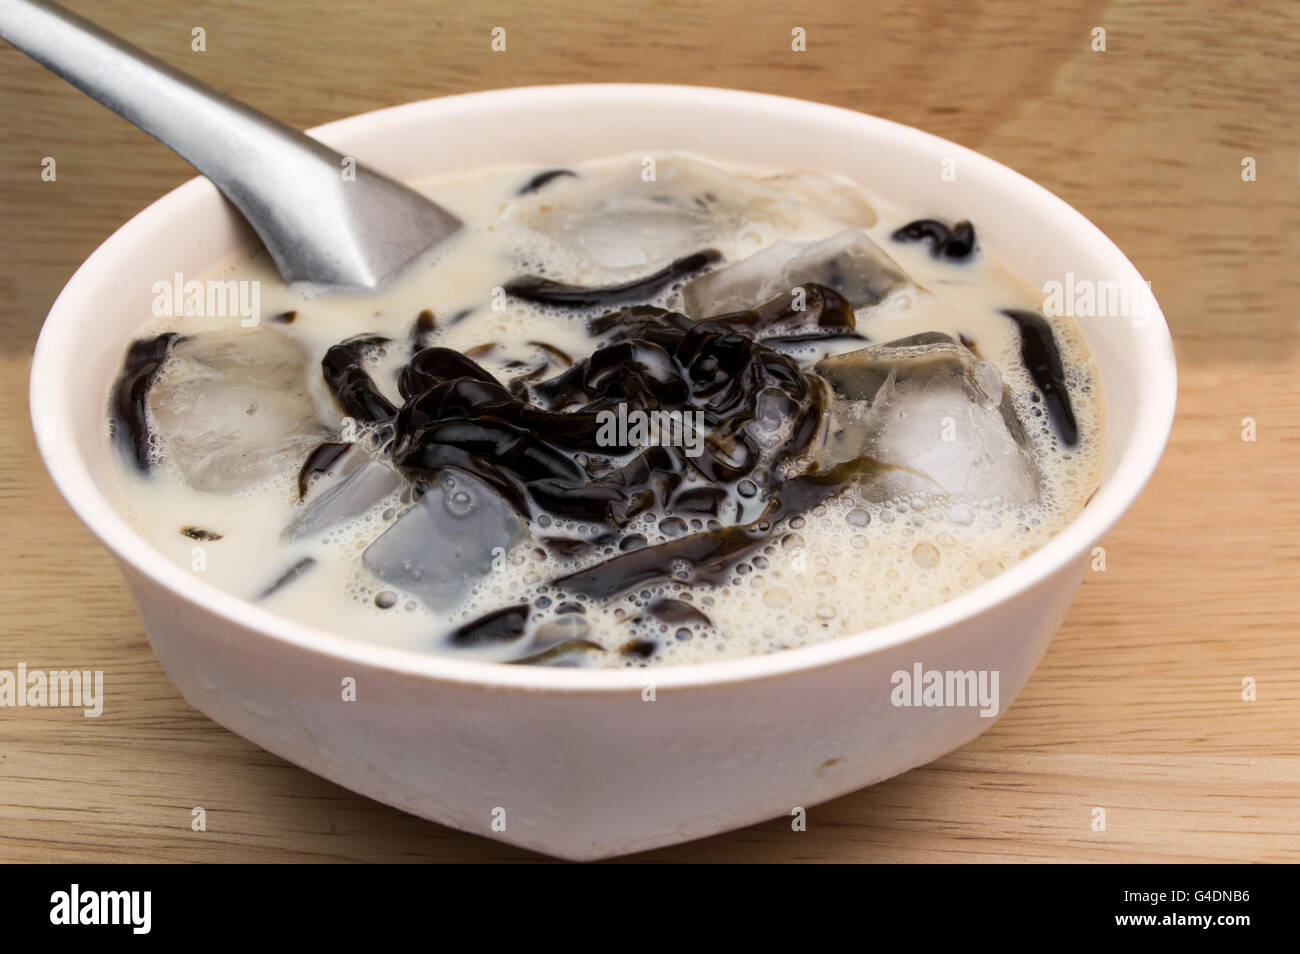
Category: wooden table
<point>1137,707</point>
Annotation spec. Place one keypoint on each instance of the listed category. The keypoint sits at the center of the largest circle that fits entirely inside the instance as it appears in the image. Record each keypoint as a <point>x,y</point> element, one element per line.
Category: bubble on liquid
<point>459,503</point>
<point>925,555</point>
<point>777,597</point>
<point>672,527</point>
<point>961,514</point>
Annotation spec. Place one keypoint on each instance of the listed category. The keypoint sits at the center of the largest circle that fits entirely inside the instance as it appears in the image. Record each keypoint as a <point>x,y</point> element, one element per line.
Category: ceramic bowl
<point>589,764</point>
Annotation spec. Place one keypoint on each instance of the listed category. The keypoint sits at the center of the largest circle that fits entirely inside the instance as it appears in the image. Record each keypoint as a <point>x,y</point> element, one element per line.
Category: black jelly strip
<point>699,558</point>
<point>424,326</point>
<point>956,243</point>
<point>131,394</point>
<point>350,383</point>
<point>289,575</point>
<point>1042,358</point>
<point>318,461</point>
<point>554,352</point>
<point>544,178</point>
<point>819,306</point>
<point>501,626</point>
<point>707,557</point>
<point>544,291</point>
<point>433,366</point>
<point>961,242</point>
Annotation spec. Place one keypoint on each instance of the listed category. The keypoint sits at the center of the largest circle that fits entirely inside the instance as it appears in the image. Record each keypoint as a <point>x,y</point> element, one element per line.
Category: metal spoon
<point>318,224</point>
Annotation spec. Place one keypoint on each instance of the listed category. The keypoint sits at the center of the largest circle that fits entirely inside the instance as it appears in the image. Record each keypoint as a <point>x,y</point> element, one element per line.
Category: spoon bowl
<point>325,218</point>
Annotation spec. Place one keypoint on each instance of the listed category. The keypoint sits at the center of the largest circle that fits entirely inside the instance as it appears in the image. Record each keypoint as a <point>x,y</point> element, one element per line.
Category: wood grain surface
<point>1137,707</point>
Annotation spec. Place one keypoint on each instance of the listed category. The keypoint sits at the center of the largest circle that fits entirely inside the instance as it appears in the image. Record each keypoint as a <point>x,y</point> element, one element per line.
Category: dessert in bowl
<point>657,746</point>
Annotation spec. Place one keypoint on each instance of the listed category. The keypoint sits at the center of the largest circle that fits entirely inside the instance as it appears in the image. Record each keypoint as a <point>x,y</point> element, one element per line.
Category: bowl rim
<point>1137,460</point>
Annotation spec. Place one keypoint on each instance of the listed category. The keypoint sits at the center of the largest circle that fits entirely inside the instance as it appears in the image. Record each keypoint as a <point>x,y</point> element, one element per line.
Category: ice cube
<point>834,196</point>
<point>849,262</point>
<point>935,413</point>
<point>232,408</point>
<point>619,220</point>
<point>443,545</point>
<point>349,497</point>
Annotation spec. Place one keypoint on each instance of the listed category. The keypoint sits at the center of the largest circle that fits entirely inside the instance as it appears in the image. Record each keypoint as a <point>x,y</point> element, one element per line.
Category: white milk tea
<point>633,413</point>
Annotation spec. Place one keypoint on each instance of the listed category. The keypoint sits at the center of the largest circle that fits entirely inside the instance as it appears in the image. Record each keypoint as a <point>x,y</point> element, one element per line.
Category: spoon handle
<point>323,218</point>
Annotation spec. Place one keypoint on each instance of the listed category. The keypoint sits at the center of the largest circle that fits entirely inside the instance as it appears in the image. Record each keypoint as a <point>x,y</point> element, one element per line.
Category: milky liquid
<point>843,567</point>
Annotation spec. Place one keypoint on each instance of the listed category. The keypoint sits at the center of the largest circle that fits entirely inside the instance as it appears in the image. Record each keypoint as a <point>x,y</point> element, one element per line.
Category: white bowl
<point>581,764</point>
